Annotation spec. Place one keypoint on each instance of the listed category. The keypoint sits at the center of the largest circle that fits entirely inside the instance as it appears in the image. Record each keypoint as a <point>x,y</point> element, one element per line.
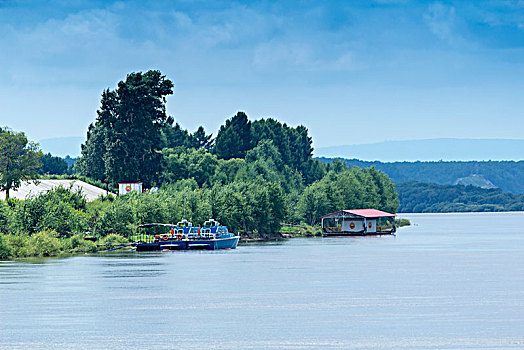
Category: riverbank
<point>48,243</point>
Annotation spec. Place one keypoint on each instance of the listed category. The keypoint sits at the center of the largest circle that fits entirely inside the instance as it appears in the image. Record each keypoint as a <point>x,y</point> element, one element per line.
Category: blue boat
<point>185,236</point>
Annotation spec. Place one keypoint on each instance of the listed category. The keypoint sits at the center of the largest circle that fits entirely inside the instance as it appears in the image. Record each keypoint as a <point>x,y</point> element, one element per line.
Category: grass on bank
<point>401,222</point>
<point>47,243</point>
<point>299,230</point>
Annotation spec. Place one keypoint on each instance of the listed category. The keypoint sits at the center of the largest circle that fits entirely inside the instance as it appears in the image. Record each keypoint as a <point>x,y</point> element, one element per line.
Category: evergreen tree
<point>52,165</point>
<point>234,138</point>
<point>134,136</point>
<point>294,145</point>
<point>130,122</point>
<point>91,163</point>
<point>175,136</point>
<point>200,139</point>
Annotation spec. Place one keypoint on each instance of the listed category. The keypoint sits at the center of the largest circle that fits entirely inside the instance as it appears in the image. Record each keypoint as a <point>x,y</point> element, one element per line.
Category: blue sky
<point>351,71</point>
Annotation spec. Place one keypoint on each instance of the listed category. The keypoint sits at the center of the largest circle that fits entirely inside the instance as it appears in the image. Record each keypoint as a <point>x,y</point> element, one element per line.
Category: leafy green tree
<point>251,207</point>
<point>388,197</point>
<point>277,207</point>
<point>19,160</point>
<point>182,163</point>
<point>52,165</point>
<point>266,151</point>
<point>227,170</point>
<point>234,138</point>
<point>337,165</point>
<point>301,147</point>
<point>313,203</point>
<point>278,133</point>
<point>313,171</point>
<point>117,218</point>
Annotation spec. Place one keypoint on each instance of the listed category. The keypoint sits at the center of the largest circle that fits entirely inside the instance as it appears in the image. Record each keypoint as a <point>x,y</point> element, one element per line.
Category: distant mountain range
<point>62,146</point>
<point>446,149</point>
<point>506,175</point>
<point>429,150</point>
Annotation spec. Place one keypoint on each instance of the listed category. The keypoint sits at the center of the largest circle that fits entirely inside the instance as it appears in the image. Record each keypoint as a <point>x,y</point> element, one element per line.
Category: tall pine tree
<point>129,122</point>
<point>234,138</point>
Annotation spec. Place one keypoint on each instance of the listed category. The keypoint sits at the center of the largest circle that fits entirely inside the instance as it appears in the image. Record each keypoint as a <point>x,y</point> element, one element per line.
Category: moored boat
<point>185,236</point>
<point>358,222</point>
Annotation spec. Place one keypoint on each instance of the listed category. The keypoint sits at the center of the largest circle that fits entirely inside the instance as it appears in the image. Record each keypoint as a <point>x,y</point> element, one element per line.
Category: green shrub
<point>114,240</point>
<point>77,244</point>
<point>44,243</point>
<point>60,210</point>
<point>402,222</point>
<point>117,218</point>
<point>5,249</point>
<point>18,244</point>
<point>5,214</point>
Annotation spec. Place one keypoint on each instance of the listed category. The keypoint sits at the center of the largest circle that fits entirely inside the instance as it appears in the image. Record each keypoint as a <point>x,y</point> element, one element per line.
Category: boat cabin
<point>358,222</point>
<point>184,224</point>
<point>211,223</point>
<point>212,226</point>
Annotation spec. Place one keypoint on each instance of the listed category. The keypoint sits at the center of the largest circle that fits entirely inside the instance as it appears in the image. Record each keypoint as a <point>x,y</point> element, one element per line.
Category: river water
<point>449,281</point>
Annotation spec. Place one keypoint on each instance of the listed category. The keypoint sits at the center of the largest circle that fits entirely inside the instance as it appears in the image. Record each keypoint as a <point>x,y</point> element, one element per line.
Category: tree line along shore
<point>252,177</point>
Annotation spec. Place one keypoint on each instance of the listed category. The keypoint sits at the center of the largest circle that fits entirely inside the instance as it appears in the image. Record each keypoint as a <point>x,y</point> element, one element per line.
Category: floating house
<point>358,222</point>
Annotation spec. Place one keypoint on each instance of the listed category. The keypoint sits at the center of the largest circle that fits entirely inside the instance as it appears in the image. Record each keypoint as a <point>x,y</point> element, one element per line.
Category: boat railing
<point>194,235</point>
<point>386,228</point>
<point>332,229</point>
<point>145,238</point>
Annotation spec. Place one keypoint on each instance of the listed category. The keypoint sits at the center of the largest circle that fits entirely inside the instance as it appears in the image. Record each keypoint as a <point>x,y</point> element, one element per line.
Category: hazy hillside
<point>429,150</point>
<point>507,175</point>
<point>475,180</point>
<point>418,197</point>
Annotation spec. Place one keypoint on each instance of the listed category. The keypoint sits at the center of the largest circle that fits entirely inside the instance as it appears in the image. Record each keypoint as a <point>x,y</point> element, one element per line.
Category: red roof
<point>365,213</point>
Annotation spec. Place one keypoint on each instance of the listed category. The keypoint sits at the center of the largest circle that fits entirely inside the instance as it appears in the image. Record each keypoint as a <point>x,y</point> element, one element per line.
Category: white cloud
<point>278,53</point>
<point>440,20</point>
<point>445,24</point>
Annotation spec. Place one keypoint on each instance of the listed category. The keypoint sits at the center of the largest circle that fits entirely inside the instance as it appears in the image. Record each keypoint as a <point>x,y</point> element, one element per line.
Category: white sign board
<point>124,188</point>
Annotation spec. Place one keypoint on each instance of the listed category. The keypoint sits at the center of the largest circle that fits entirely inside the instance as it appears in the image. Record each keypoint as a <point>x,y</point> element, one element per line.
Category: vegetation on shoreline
<point>506,175</point>
<point>252,177</point>
<point>402,222</point>
<point>19,159</point>
<point>419,197</point>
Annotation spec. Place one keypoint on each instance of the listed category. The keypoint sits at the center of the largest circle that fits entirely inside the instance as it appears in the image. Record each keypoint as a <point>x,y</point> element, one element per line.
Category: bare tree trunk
<point>7,194</point>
